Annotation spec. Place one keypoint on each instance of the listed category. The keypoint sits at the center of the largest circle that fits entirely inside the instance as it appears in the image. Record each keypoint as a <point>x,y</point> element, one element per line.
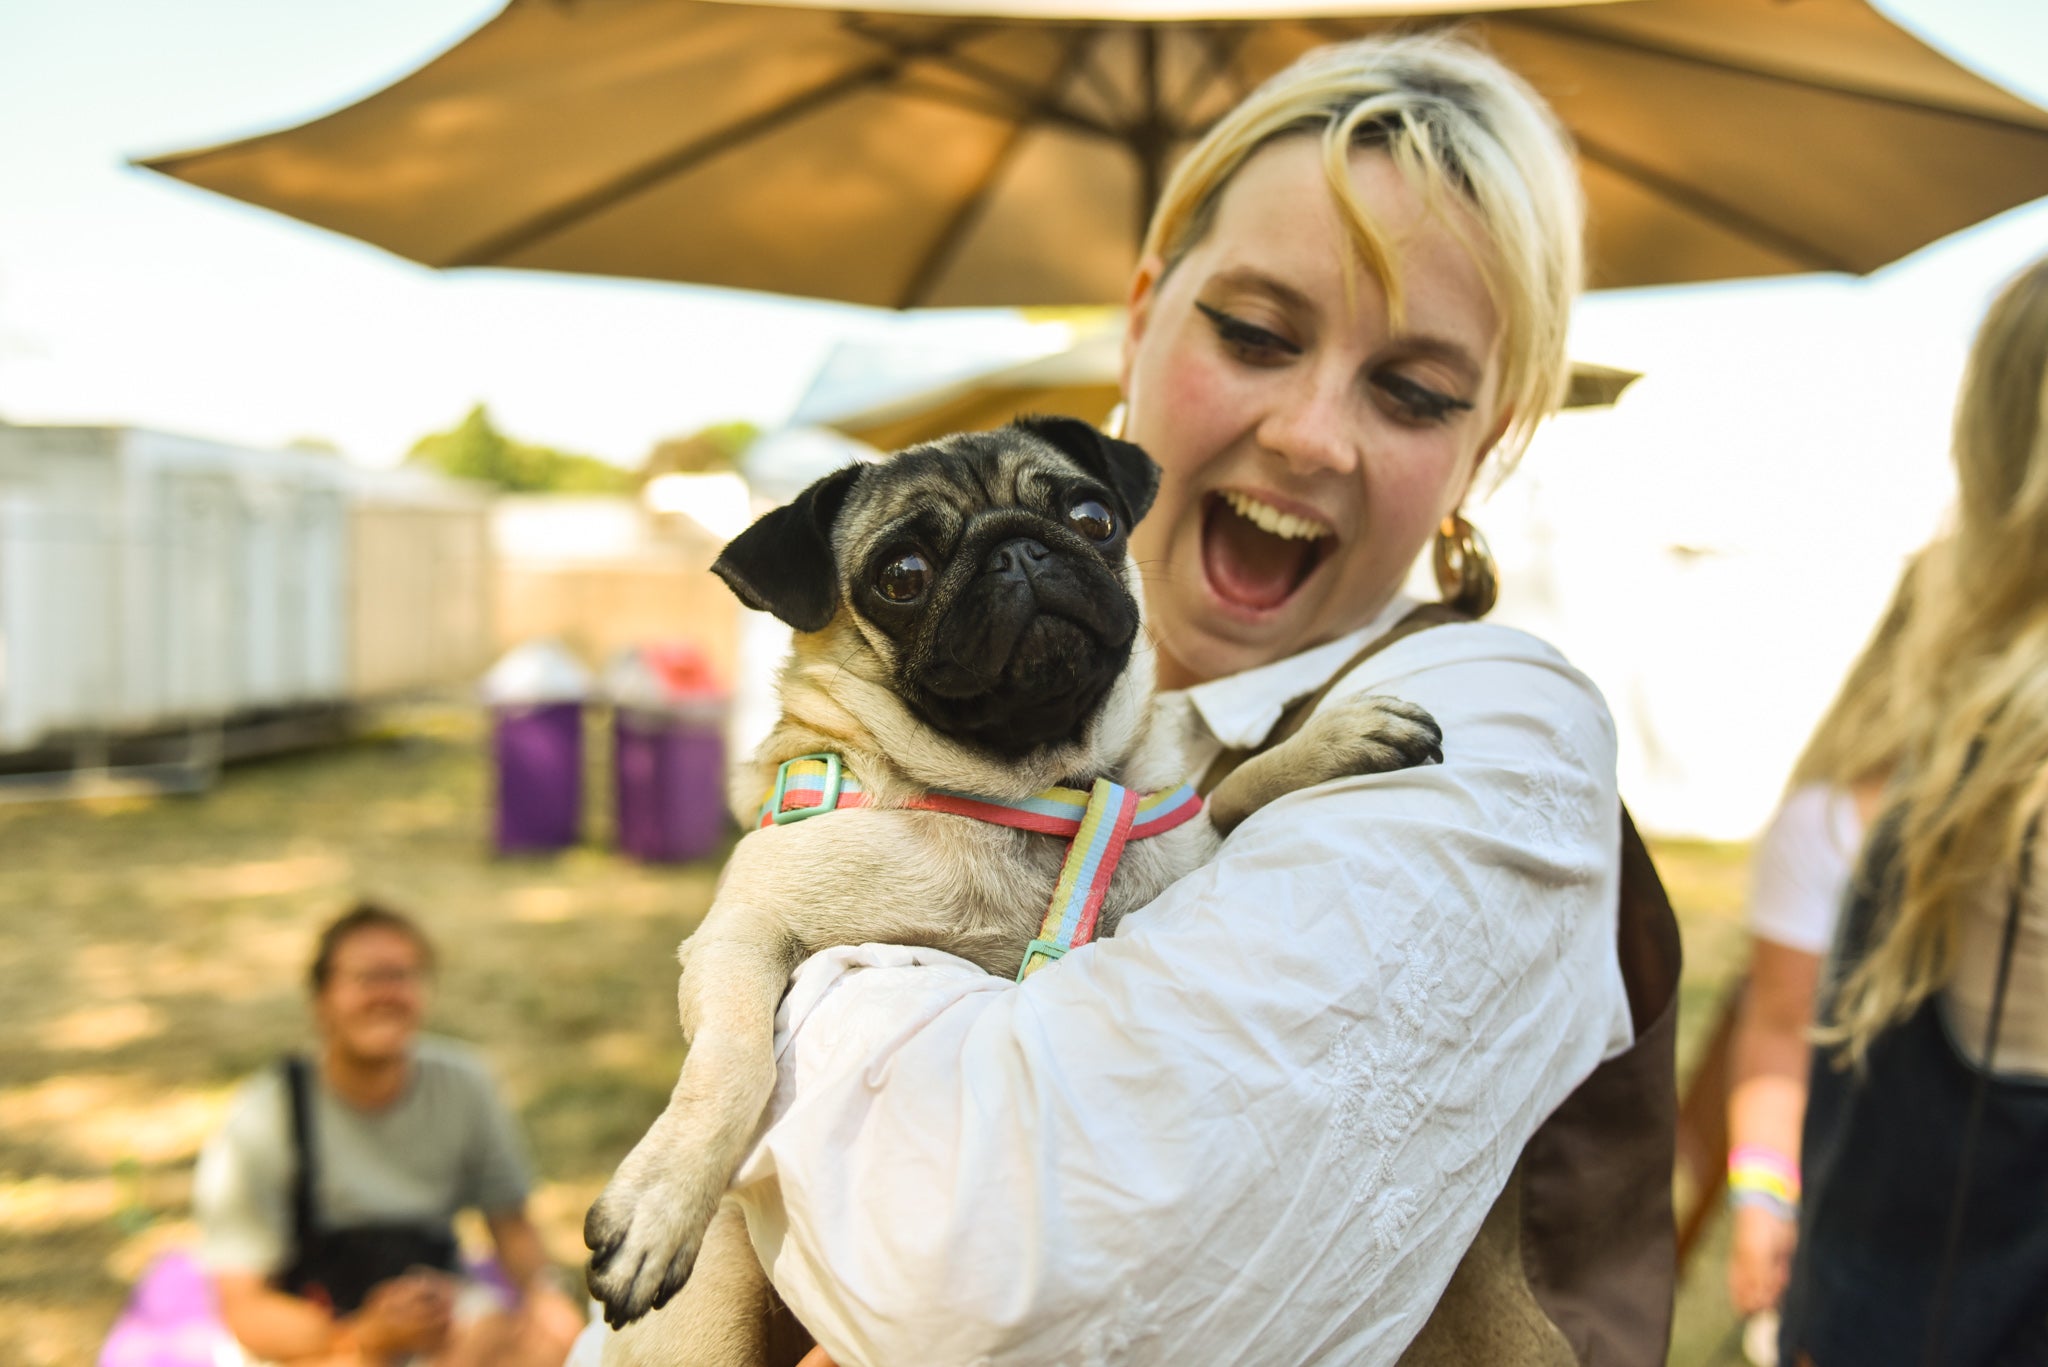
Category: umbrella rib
<point>1870,95</point>
<point>1219,49</point>
<point>1022,98</point>
<point>1717,211</point>
<point>955,229</point>
<point>1105,89</point>
<point>1033,104</point>
<point>524,234</point>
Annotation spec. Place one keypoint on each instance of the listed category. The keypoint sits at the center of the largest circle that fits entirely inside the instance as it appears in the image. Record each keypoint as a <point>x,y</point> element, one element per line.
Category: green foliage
<point>708,450</point>
<point>475,449</point>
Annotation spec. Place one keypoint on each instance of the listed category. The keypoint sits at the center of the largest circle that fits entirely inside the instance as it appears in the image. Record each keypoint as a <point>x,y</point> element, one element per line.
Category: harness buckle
<point>827,800</point>
<point>1043,949</point>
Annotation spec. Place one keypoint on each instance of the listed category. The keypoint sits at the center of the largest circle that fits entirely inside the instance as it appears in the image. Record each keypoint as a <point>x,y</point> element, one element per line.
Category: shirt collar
<point>1240,709</point>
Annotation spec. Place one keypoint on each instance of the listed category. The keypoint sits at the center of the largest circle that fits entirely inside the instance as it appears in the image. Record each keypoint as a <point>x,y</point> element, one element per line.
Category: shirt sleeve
<point>1801,868</point>
<point>498,1178</point>
<point>241,1189</point>
<point>1263,1122</point>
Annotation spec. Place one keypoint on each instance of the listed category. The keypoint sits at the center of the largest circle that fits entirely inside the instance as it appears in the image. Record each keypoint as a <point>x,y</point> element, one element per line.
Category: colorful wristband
<point>1760,1176</point>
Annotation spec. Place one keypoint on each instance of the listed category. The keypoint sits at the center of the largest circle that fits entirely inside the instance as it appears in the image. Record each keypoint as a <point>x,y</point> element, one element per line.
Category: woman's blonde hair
<point>1461,128</point>
<point>1973,674</point>
<point>1861,736</point>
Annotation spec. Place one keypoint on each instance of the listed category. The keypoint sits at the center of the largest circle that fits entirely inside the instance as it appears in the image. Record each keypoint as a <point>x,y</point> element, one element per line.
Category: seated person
<point>405,1131</point>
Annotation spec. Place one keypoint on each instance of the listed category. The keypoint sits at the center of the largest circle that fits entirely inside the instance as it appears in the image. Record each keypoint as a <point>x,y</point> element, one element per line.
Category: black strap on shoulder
<point>1973,1127</point>
<point>298,1080</point>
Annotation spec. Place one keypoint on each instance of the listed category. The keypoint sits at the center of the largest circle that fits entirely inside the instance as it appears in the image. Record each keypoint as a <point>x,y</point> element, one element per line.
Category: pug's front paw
<point>1375,735</point>
<point>643,1233</point>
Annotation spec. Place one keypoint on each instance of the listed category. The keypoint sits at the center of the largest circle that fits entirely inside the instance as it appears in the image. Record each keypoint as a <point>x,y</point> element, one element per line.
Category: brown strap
<point>1297,711</point>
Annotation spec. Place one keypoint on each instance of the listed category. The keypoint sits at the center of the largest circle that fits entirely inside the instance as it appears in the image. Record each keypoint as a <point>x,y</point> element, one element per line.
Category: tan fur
<point>1489,1313</point>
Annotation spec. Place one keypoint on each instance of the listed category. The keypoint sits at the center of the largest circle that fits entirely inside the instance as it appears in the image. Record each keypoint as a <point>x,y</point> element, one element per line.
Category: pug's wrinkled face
<point>988,573</point>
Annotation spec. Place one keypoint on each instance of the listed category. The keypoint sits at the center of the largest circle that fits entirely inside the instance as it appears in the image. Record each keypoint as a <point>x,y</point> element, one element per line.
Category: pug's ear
<point>783,563</point>
<point>1123,466</point>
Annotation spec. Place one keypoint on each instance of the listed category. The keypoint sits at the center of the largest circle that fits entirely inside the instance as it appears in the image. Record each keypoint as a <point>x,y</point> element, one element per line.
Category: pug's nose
<point>1015,556</point>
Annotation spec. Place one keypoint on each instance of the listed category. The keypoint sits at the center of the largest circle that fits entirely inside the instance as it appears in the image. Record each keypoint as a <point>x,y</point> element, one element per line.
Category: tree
<point>708,450</point>
<point>475,449</point>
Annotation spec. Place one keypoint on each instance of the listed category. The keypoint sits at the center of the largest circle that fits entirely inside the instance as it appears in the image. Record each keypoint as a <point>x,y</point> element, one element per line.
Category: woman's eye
<point>1250,341</point>
<point>1418,403</point>
<point>1091,519</point>
<point>904,578</point>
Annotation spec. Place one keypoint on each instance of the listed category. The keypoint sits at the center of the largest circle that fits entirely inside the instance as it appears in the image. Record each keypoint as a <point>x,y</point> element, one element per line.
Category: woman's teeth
<point>1270,519</point>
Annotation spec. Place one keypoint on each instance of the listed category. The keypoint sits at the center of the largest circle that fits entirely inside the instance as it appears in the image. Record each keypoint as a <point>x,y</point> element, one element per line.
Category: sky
<point>125,297</point>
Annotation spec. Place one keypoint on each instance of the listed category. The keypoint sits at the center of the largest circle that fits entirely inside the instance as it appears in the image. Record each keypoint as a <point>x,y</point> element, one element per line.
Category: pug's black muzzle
<point>1037,631</point>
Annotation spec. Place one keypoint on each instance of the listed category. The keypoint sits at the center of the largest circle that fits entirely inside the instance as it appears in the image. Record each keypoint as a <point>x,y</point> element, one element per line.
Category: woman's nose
<point>1313,429</point>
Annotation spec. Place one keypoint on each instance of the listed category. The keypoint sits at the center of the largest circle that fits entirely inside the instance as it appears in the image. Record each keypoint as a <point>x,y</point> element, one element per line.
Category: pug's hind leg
<point>644,1230</point>
<point>718,1319</point>
<point>1346,736</point>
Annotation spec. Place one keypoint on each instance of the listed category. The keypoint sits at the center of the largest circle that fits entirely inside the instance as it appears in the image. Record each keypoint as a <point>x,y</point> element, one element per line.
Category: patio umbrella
<point>1003,152</point>
<point>1079,379</point>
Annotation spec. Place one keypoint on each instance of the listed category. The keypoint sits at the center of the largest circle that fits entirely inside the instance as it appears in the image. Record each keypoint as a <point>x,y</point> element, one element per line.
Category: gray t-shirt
<point>448,1144</point>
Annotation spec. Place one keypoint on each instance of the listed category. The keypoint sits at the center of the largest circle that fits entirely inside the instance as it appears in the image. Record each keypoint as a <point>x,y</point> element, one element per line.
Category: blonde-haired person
<point>1798,877</point>
<point>1264,1123</point>
<point>1924,1229</point>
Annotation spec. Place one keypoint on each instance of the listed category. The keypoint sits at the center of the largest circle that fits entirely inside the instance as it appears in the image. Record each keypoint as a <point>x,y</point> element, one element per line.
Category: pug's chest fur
<point>905,876</point>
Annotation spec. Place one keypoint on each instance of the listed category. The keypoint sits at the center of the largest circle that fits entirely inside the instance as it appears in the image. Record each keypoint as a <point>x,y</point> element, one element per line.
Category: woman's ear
<point>1144,286</point>
<point>1486,451</point>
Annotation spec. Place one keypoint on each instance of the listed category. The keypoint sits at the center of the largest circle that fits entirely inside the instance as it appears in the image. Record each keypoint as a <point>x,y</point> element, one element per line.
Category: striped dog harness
<point>1097,824</point>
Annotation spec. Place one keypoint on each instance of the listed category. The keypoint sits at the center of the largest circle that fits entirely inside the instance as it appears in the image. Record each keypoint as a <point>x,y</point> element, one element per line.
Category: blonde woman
<point>1924,1230</point>
<point>1265,1122</point>
<point>1798,878</point>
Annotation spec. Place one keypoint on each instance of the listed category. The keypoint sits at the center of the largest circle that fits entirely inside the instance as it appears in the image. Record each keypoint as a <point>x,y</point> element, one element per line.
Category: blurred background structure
<point>264,486</point>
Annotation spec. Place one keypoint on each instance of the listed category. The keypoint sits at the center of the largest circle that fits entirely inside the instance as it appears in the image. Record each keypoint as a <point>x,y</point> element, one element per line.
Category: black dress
<point>1881,1153</point>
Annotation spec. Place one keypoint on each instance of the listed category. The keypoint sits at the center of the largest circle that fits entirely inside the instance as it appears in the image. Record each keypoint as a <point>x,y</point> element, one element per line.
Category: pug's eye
<point>905,577</point>
<point>1091,519</point>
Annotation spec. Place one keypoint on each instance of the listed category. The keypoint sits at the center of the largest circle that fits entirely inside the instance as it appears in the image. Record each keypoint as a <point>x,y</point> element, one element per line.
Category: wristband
<point>1763,1177</point>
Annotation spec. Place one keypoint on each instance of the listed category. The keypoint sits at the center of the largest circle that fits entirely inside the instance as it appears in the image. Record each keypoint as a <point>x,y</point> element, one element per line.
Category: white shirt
<point>1801,867</point>
<point>1262,1123</point>
<point>1800,880</point>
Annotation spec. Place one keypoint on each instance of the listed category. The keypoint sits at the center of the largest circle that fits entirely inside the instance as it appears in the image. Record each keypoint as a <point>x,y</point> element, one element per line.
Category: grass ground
<point>151,954</point>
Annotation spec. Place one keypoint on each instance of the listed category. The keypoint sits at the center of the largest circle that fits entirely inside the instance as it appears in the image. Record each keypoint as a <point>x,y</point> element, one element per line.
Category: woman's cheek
<point>1197,394</point>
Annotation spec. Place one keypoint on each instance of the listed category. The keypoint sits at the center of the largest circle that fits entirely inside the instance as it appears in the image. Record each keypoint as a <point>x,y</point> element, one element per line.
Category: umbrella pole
<point>1148,136</point>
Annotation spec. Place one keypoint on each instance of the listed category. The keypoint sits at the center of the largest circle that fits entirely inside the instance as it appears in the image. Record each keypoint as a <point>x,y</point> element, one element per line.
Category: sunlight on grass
<point>153,953</point>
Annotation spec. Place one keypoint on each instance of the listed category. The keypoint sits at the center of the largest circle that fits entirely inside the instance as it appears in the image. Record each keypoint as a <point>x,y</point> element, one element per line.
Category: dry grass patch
<point>152,954</point>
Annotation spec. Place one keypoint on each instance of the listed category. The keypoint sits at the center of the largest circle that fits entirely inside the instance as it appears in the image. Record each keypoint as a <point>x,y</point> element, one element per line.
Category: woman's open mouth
<point>1255,555</point>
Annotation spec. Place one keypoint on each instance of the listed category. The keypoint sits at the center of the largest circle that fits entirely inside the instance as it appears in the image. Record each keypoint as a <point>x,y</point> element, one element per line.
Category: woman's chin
<point>1220,635</point>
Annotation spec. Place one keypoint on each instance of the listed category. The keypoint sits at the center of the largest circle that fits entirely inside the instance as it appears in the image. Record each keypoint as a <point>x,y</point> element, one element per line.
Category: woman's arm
<point>1801,870</point>
<point>1266,1119</point>
<point>1766,1107</point>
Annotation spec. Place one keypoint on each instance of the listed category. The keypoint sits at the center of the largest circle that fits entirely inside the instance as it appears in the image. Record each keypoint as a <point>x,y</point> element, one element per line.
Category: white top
<point>1264,1121</point>
<point>1800,869</point>
<point>1800,878</point>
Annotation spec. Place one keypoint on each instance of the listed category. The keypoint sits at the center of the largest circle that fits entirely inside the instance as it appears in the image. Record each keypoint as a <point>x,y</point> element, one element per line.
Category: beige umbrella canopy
<point>1079,379</point>
<point>1000,152</point>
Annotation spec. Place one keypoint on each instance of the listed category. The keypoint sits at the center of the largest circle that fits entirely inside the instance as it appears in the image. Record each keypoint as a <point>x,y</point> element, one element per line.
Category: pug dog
<point>967,618</point>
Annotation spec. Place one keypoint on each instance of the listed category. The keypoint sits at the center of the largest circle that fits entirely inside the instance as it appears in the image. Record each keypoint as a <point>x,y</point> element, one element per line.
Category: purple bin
<point>670,770</point>
<point>539,753</point>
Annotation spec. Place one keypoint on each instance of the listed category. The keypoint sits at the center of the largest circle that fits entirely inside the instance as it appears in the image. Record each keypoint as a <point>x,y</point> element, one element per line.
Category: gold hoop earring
<point>1113,425</point>
<point>1466,575</point>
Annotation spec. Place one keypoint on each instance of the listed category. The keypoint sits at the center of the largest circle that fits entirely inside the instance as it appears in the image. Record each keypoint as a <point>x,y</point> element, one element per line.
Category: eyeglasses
<point>383,977</point>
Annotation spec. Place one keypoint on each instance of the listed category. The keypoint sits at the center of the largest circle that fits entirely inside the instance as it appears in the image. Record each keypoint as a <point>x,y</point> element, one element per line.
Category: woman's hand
<point>1759,1259</point>
<point>815,1358</point>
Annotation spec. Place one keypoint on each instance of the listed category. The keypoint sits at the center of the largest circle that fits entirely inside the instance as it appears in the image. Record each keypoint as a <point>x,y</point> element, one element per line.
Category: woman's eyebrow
<point>1453,354</point>
<point>1257,281</point>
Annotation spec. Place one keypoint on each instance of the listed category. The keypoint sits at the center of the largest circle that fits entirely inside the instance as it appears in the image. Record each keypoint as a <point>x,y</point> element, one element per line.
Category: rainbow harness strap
<point>1097,823</point>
